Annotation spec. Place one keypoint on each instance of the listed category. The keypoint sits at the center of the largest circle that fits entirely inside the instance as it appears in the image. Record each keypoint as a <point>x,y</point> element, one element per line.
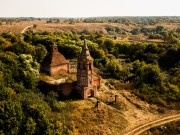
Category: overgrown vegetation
<point>24,109</point>
<point>152,68</point>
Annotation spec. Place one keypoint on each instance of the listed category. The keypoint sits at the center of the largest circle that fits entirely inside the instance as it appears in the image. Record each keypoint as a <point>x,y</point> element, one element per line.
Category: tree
<point>113,67</point>
<point>29,126</point>
<point>159,29</point>
<point>49,21</point>
<point>30,71</point>
<point>109,44</point>
<point>135,31</point>
<point>147,74</point>
<point>23,48</point>
<point>11,115</point>
<point>34,25</point>
<point>117,29</point>
<point>14,39</point>
<point>99,54</point>
<point>27,37</point>
<point>41,52</point>
<point>7,94</point>
<point>69,49</point>
<point>37,120</point>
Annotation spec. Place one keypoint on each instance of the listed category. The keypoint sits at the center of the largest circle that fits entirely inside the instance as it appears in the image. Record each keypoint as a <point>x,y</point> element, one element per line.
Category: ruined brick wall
<point>85,92</point>
<point>66,89</point>
<point>97,81</point>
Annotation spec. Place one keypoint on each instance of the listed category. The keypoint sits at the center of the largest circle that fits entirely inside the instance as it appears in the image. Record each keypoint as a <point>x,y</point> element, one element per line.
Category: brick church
<point>54,62</point>
<point>87,81</point>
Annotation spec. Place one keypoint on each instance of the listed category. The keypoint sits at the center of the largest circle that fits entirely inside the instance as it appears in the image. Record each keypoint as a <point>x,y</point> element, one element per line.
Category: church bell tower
<point>85,74</point>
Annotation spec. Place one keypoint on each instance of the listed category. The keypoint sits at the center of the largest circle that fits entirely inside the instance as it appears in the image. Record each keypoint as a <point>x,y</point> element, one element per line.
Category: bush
<point>34,25</point>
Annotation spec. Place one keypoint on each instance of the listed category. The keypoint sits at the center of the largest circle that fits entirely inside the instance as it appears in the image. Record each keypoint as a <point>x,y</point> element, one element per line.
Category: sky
<point>88,8</point>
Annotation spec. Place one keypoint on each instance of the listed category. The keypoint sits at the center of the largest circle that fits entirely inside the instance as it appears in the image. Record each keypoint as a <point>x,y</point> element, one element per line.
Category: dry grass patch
<point>81,117</point>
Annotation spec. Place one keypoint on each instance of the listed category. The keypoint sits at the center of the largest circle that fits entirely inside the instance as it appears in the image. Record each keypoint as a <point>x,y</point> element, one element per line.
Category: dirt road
<point>141,129</point>
<point>140,115</point>
<point>26,28</point>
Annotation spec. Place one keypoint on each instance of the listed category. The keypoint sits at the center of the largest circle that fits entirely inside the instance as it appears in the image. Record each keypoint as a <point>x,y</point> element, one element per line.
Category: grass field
<point>60,27</point>
<point>42,25</point>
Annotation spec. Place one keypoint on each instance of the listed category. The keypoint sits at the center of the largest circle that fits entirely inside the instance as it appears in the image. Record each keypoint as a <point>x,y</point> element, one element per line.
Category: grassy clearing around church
<point>81,117</point>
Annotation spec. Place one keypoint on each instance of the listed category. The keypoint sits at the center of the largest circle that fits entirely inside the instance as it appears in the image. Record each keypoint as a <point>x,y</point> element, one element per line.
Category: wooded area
<point>152,68</point>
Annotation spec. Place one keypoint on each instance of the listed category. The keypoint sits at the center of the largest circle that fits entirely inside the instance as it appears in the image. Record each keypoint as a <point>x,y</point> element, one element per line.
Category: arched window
<point>89,66</point>
<point>84,66</point>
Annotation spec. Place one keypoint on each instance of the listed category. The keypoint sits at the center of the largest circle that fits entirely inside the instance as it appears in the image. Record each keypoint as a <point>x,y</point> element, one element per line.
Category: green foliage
<point>2,41</point>
<point>135,31</point>
<point>23,48</point>
<point>30,72</point>
<point>41,52</point>
<point>7,94</point>
<point>148,74</point>
<point>29,127</point>
<point>155,36</point>
<point>99,54</point>
<point>175,77</point>
<point>34,117</point>
<point>113,66</point>
<point>152,84</point>
<point>159,29</point>
<point>109,44</point>
<point>39,116</point>
<point>11,115</point>
<point>170,58</point>
<point>27,37</point>
<point>34,25</point>
<point>70,49</point>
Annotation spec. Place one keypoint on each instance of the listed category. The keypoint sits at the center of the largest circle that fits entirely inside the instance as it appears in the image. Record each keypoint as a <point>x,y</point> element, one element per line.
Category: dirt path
<point>162,121</point>
<point>26,28</point>
<point>140,115</point>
